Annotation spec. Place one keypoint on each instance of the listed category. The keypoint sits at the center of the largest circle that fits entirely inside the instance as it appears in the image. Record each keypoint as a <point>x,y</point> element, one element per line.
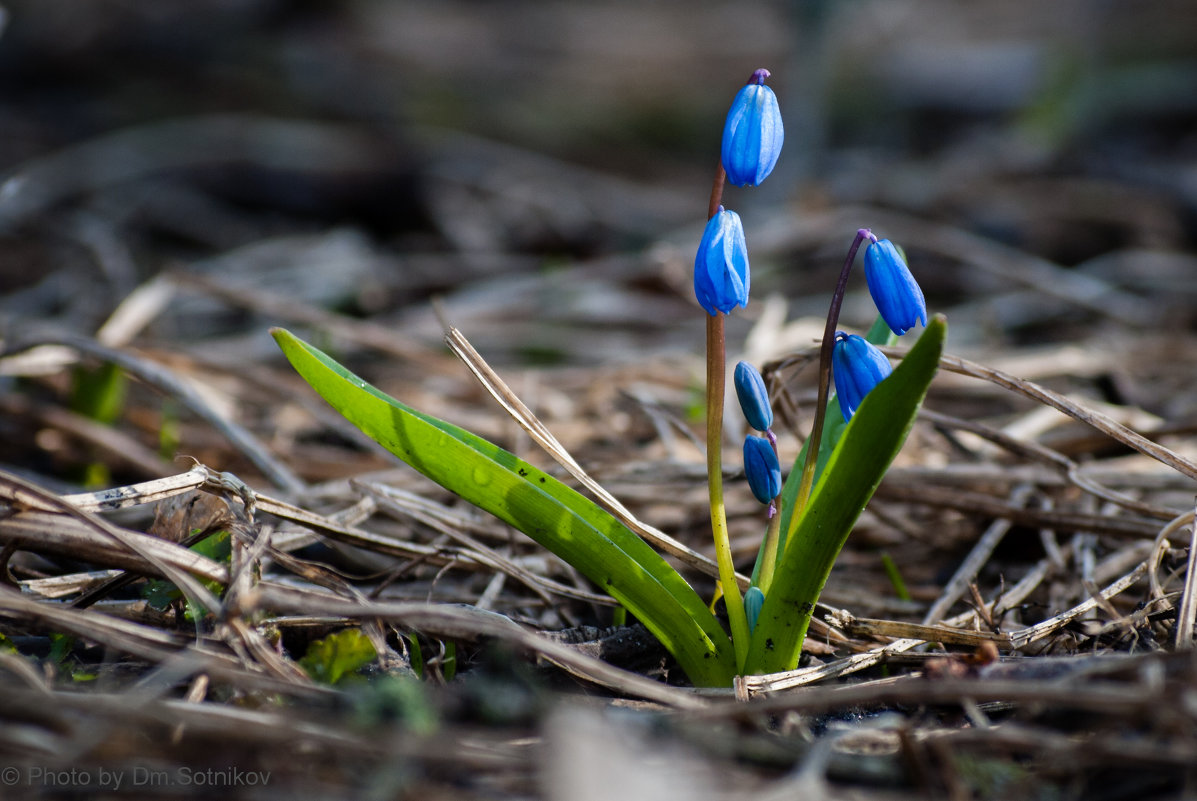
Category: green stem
<point>816,432</point>
<point>767,559</point>
<point>769,554</point>
<point>716,386</point>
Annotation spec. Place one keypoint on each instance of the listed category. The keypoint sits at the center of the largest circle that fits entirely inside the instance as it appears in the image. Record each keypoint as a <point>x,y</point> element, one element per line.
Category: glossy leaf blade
<point>522,495</point>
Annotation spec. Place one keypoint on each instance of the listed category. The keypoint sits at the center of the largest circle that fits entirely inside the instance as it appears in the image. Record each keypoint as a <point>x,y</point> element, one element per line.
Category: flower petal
<point>752,134</point>
<point>898,296</point>
<point>857,366</point>
<point>721,277</point>
<point>753,396</point>
<point>761,468</point>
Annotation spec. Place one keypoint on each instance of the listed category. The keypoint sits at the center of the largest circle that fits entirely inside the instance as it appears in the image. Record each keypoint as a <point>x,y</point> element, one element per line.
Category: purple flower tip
<point>753,133</point>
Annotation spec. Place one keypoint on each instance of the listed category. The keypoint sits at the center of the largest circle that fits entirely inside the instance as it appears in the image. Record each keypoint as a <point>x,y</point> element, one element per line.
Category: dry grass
<point>1041,515</point>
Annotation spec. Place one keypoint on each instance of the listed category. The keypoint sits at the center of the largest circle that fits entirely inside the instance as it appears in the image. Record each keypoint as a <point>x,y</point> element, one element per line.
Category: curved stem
<point>816,432</point>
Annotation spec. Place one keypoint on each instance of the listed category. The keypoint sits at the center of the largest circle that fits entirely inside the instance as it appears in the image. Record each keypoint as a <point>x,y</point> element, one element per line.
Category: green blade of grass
<point>865,451</point>
<point>522,495</point>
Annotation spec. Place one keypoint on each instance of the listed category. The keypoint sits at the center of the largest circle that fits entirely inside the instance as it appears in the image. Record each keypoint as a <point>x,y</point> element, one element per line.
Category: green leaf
<point>99,393</point>
<point>415,655</point>
<point>337,655</point>
<point>522,495</point>
<point>895,577</point>
<point>218,546</point>
<point>391,700</point>
<point>61,646</point>
<point>865,451</point>
<point>161,593</point>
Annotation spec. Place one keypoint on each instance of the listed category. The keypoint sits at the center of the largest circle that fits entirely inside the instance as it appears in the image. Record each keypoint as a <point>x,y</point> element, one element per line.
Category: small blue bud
<point>762,468</point>
<point>754,599</point>
<point>721,266</point>
<point>753,133</point>
<point>894,290</point>
<point>754,397</point>
<point>857,367</point>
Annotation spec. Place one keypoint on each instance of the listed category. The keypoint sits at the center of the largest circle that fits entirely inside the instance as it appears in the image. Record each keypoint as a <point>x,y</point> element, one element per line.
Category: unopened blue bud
<point>894,290</point>
<point>762,468</point>
<point>721,266</point>
<point>754,397</point>
<point>754,599</point>
<point>753,133</point>
<point>857,367</point>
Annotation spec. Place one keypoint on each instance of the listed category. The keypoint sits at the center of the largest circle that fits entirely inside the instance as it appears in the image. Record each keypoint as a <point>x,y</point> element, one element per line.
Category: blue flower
<point>753,133</point>
<point>762,468</point>
<point>754,599</point>
<point>857,367</point>
<point>754,397</point>
<point>721,266</point>
<point>894,290</point>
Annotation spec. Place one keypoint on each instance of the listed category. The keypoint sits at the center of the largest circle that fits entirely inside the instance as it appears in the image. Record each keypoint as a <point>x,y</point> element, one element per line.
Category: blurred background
<point>543,170</point>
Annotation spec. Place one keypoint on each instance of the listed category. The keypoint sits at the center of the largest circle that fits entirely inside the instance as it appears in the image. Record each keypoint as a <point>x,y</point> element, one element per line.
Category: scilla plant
<point>810,515</point>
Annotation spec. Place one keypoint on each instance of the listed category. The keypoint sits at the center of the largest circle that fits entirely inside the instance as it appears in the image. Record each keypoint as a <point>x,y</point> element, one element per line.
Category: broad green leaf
<point>865,451</point>
<point>338,655</point>
<point>522,495</point>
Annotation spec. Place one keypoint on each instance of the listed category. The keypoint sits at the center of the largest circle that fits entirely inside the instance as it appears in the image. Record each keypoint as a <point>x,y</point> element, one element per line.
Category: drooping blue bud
<point>754,599</point>
<point>721,266</point>
<point>762,468</point>
<point>754,397</point>
<point>857,366</point>
<point>752,134</point>
<point>894,290</point>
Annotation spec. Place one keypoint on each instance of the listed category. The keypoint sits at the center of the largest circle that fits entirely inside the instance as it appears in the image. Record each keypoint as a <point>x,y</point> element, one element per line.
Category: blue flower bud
<point>754,397</point>
<point>721,266</point>
<point>762,468</point>
<point>857,367</point>
<point>894,290</point>
<point>753,133</point>
<point>754,599</point>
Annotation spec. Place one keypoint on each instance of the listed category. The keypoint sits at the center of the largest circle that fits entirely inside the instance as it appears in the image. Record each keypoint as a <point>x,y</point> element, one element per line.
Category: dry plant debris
<point>1041,517</point>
